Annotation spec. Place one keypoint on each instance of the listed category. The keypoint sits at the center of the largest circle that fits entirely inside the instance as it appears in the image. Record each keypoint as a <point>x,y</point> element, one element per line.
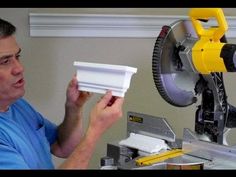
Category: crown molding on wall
<point>106,25</point>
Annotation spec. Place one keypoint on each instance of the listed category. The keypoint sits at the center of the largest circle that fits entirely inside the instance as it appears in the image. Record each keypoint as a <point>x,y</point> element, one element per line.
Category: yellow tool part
<point>152,159</point>
<point>206,13</point>
<point>206,57</point>
<point>206,51</point>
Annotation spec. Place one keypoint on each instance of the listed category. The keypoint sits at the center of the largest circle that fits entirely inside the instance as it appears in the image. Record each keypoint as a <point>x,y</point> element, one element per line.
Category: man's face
<point>11,71</point>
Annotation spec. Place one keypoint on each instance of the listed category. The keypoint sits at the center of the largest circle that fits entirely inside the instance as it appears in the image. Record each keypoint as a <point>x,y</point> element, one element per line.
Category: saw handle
<point>214,33</point>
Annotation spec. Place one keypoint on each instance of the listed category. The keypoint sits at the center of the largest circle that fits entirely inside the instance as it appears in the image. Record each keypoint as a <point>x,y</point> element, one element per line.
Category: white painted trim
<point>105,25</point>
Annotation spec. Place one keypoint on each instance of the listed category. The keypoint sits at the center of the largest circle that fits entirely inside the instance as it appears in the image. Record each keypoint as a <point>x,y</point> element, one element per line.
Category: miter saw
<point>189,59</point>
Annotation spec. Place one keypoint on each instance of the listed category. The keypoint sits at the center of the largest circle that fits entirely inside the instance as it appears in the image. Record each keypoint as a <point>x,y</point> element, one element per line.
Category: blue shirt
<point>25,138</point>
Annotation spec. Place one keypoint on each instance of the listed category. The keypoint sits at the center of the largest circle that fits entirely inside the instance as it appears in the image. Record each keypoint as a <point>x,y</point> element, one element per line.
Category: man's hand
<point>70,130</point>
<point>105,113</point>
<point>74,97</point>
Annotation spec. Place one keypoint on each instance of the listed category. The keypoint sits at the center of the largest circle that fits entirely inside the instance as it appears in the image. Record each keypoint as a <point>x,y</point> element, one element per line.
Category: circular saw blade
<point>176,86</point>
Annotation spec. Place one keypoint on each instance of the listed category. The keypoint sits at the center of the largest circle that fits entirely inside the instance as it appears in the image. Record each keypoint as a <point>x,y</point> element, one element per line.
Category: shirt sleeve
<point>50,131</point>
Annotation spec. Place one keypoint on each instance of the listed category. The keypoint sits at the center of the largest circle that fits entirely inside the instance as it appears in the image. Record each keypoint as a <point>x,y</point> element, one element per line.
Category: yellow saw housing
<point>206,53</point>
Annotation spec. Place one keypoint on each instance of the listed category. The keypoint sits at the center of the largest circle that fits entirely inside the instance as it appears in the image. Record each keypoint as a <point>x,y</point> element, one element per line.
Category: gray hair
<point>6,28</point>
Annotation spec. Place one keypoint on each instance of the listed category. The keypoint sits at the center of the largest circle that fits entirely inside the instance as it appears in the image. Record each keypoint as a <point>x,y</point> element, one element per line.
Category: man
<point>27,139</point>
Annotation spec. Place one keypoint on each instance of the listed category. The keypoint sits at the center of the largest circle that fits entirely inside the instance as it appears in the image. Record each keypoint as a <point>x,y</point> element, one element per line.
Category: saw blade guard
<point>174,79</point>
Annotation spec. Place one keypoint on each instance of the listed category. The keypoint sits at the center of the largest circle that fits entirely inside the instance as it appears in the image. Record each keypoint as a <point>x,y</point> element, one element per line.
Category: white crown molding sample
<point>106,25</point>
